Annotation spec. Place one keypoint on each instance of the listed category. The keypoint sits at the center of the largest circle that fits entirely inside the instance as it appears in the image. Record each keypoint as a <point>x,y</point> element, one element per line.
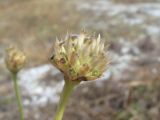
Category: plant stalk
<point>67,90</point>
<point>18,97</point>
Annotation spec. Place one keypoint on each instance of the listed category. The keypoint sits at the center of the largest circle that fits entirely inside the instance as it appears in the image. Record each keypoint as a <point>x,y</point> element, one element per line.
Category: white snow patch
<point>153,10</point>
<point>121,64</point>
<point>153,29</point>
<point>39,93</point>
<point>128,47</point>
<point>134,21</point>
<point>111,8</point>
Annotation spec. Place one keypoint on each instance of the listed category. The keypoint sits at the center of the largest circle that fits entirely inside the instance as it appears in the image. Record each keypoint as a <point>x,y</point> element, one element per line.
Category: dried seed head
<point>80,57</point>
<point>15,59</point>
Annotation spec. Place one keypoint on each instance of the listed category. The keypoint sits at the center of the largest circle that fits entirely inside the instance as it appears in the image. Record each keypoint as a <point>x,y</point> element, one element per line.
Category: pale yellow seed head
<point>15,59</point>
<point>80,57</point>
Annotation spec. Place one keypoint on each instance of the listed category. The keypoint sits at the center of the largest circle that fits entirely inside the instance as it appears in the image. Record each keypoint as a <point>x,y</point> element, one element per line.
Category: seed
<point>62,60</point>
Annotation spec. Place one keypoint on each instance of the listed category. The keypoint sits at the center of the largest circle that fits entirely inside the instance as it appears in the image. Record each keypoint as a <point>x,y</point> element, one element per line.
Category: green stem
<point>67,90</point>
<point>17,92</point>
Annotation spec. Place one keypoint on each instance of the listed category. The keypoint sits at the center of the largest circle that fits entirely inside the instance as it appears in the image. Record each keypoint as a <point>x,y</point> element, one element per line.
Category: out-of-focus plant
<point>15,60</point>
<point>80,58</point>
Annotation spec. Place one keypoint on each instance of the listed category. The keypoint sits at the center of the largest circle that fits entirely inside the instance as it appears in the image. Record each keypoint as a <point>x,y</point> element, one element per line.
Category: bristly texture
<point>80,57</point>
<point>15,59</point>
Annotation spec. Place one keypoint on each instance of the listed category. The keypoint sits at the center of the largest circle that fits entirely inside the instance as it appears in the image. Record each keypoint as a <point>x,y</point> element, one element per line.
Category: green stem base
<point>67,90</point>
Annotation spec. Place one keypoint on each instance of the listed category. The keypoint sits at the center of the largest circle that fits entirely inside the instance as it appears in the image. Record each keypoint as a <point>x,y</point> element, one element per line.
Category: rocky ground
<point>129,90</point>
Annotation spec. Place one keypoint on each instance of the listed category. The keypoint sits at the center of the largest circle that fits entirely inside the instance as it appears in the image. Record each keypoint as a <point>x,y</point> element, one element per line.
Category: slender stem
<point>67,90</point>
<point>17,92</point>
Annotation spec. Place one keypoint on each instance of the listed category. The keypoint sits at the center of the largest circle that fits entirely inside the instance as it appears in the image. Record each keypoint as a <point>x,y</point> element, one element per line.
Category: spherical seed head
<point>15,59</point>
<point>80,57</point>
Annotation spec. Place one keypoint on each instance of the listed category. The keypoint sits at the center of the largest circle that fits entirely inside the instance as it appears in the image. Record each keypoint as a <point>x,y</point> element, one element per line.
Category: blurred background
<point>129,90</point>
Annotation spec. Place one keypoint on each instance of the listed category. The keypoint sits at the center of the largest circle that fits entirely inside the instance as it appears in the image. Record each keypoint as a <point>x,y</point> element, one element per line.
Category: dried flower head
<point>15,59</point>
<point>80,57</point>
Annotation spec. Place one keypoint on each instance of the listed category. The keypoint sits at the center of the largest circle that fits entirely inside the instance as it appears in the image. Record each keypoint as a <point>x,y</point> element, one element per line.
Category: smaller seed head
<point>15,59</point>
